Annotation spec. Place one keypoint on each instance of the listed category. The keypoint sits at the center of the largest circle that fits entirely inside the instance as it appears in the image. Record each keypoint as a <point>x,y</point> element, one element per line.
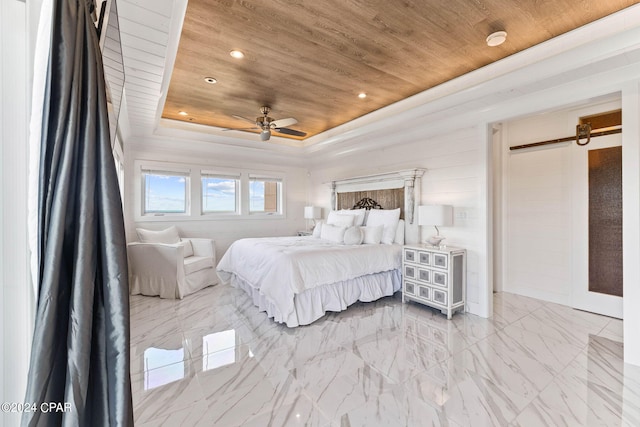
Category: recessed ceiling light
<point>183,113</point>
<point>236,54</point>
<point>497,38</point>
<point>362,95</point>
<point>210,80</point>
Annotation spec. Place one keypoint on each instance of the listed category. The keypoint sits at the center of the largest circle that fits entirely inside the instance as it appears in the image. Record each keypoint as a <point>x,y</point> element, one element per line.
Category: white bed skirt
<point>312,304</point>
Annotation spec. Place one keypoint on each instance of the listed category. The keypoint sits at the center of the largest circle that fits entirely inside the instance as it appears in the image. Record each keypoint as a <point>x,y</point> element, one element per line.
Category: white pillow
<point>371,235</point>
<point>188,247</point>
<point>358,213</point>
<point>333,233</point>
<point>331,218</point>
<point>169,235</point>
<point>353,236</point>
<point>399,239</point>
<point>388,218</point>
<point>317,229</point>
<point>341,220</point>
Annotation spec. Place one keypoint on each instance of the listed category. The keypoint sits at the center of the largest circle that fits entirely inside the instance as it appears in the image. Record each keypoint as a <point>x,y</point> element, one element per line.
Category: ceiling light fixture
<point>210,80</point>
<point>362,95</point>
<point>236,54</point>
<point>497,38</point>
<point>183,113</point>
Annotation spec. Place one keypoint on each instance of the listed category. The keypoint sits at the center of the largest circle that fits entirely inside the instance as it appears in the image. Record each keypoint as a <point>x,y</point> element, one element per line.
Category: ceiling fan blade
<point>288,131</point>
<point>253,128</point>
<point>244,118</point>
<point>283,122</point>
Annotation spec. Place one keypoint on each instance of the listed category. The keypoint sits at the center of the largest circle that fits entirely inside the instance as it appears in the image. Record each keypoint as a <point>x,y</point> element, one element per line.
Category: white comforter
<point>281,267</point>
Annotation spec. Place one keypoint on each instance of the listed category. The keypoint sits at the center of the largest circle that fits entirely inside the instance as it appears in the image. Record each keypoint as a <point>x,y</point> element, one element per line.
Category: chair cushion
<point>197,263</point>
<point>188,247</point>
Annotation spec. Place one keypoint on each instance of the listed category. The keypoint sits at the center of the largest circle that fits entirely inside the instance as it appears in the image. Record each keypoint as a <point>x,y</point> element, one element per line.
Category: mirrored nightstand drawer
<point>439,278</point>
<point>440,261</point>
<point>410,255</point>
<point>439,296</point>
<point>424,258</point>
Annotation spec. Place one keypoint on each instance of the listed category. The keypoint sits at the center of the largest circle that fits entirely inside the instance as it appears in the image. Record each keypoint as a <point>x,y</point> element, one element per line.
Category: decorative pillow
<point>341,220</point>
<point>399,239</point>
<point>317,229</point>
<point>331,218</point>
<point>358,213</point>
<point>388,218</point>
<point>333,233</point>
<point>371,234</point>
<point>188,247</point>
<point>353,236</point>
<point>169,235</point>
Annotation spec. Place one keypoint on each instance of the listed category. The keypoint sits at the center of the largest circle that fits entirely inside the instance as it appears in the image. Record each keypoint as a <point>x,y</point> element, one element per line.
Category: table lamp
<point>436,215</point>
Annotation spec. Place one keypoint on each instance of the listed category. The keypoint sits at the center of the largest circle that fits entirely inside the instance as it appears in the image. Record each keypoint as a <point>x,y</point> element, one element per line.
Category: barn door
<point>597,230</point>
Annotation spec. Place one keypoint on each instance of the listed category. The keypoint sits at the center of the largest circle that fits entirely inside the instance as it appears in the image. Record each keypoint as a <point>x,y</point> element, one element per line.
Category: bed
<point>296,280</point>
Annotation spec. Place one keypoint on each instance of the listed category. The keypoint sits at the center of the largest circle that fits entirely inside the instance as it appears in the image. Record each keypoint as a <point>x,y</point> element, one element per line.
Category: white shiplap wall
<point>455,168</point>
<point>145,26</point>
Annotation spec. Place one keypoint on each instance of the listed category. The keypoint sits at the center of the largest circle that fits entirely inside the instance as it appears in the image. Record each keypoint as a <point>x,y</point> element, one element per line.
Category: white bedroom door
<point>597,226</point>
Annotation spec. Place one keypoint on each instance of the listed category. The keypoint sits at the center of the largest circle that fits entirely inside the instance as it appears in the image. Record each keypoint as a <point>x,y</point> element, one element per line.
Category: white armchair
<point>170,270</point>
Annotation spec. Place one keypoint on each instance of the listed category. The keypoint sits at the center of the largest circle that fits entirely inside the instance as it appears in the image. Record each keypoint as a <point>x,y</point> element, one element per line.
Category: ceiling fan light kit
<point>267,124</point>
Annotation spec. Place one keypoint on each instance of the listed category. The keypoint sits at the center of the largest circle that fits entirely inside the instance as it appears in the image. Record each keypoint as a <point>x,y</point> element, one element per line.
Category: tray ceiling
<point>310,59</point>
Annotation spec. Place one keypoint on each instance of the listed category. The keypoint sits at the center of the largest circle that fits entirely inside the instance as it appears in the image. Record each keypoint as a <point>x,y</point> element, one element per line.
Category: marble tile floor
<point>213,360</point>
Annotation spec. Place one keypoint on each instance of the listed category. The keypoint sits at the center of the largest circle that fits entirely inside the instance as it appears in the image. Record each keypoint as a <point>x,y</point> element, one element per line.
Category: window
<point>199,192</point>
<point>265,195</point>
<point>165,192</point>
<point>219,193</point>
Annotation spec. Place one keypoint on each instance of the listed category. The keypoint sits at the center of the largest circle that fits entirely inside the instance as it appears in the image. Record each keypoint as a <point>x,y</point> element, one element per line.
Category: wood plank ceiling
<point>309,59</point>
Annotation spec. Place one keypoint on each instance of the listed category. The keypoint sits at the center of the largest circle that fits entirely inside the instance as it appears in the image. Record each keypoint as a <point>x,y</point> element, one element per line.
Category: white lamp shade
<point>312,212</point>
<point>435,215</point>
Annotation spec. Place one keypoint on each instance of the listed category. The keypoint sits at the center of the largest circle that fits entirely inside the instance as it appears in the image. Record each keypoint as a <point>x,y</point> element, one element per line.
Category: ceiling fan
<point>267,125</point>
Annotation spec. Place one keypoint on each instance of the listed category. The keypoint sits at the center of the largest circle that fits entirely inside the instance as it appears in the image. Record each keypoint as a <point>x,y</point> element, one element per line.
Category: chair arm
<point>203,247</point>
<point>156,259</point>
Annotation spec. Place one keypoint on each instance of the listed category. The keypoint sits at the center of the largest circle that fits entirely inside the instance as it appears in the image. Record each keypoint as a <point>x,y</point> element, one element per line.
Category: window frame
<point>204,174</point>
<point>195,172</point>
<point>253,177</point>
<point>167,171</point>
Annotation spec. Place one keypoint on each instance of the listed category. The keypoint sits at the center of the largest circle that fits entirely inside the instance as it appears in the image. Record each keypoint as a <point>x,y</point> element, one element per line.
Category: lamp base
<point>435,240</point>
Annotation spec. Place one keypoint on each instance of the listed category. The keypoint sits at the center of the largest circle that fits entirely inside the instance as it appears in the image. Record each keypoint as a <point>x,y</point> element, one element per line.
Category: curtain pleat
<point>80,352</point>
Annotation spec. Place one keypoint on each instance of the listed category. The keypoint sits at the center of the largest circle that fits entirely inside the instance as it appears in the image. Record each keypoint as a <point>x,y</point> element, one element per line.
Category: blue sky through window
<point>256,196</point>
<point>218,194</point>
<point>165,193</point>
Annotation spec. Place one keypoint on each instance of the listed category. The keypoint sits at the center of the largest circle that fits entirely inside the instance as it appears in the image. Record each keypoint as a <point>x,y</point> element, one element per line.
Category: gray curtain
<point>80,353</point>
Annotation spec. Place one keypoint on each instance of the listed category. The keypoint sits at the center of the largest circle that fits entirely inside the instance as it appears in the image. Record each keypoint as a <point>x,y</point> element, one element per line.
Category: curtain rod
<point>567,139</point>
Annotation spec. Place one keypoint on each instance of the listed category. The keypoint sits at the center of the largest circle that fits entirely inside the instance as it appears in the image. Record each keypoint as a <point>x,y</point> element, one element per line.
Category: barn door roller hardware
<point>604,124</point>
<point>583,130</point>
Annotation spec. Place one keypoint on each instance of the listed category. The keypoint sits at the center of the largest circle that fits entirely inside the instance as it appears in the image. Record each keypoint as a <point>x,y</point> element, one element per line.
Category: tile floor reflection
<point>213,360</point>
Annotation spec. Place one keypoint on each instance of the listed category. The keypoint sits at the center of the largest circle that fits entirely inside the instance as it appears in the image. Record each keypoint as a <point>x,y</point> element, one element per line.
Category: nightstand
<point>304,233</point>
<point>435,276</point>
